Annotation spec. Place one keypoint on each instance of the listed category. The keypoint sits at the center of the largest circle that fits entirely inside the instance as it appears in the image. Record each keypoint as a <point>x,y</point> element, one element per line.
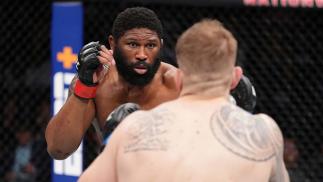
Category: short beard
<point>126,70</point>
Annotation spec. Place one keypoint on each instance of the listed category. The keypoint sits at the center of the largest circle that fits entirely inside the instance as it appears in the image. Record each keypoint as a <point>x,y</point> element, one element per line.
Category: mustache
<point>140,63</point>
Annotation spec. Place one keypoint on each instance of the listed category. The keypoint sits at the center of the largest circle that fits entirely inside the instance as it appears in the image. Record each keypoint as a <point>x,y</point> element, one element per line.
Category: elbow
<point>54,147</point>
<point>57,153</point>
<point>59,144</point>
<point>55,150</point>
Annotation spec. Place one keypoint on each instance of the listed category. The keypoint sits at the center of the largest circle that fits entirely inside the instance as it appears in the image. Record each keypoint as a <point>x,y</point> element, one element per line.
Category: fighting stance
<point>131,71</point>
<point>200,136</point>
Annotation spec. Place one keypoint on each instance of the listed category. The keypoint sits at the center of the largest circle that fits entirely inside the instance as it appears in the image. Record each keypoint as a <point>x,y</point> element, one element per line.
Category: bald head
<point>206,53</point>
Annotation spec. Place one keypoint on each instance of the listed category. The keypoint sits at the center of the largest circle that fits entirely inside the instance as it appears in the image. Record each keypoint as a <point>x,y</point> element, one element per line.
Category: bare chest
<point>109,96</point>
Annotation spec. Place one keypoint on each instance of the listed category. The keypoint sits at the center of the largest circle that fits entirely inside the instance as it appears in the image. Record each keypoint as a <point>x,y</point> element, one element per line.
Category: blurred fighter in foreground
<point>131,71</point>
<point>200,136</point>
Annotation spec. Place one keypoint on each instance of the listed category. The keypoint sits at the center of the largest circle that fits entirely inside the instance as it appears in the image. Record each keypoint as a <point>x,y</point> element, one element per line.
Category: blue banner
<point>66,41</point>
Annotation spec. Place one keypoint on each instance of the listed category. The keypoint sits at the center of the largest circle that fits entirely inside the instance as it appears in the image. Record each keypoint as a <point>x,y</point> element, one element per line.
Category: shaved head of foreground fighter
<point>200,136</point>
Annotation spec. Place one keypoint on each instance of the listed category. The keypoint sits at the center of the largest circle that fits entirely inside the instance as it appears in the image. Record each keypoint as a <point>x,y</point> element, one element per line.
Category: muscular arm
<point>65,130</point>
<point>279,172</point>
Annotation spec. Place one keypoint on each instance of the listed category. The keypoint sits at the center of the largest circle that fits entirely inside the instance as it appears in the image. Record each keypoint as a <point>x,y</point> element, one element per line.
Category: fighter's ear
<point>112,42</point>
<point>237,74</point>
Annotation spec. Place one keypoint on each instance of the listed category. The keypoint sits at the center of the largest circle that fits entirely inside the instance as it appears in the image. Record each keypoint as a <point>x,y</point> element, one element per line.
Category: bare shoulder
<point>276,134</point>
<point>147,130</point>
<point>279,171</point>
<point>172,76</point>
<point>249,136</point>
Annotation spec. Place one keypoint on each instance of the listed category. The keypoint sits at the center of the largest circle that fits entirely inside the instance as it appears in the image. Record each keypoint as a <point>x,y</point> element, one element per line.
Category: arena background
<point>280,49</point>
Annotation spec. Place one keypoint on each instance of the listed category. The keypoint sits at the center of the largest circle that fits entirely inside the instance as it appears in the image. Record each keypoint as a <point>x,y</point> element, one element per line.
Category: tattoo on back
<point>149,132</point>
<point>242,134</point>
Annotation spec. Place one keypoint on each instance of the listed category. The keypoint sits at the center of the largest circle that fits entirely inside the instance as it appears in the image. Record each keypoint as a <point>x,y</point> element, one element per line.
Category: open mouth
<point>140,69</point>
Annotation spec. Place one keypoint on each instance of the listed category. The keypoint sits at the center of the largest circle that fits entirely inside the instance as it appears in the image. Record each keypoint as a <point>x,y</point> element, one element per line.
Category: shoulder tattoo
<point>149,132</point>
<point>243,134</point>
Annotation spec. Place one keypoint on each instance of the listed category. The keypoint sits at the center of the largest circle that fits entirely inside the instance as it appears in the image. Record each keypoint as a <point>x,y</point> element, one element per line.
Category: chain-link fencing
<point>279,49</point>
<point>25,78</point>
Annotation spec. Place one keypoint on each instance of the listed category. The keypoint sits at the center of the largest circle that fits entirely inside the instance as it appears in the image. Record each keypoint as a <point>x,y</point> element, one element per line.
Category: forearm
<point>65,130</point>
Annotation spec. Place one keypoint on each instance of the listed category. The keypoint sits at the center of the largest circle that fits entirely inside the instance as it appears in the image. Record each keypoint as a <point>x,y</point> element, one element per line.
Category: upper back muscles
<point>175,137</point>
<point>243,134</point>
<point>253,138</point>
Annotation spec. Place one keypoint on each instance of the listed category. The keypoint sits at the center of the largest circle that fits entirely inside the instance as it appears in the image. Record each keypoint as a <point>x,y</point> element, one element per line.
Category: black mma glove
<point>117,115</point>
<point>245,95</point>
<point>86,66</point>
